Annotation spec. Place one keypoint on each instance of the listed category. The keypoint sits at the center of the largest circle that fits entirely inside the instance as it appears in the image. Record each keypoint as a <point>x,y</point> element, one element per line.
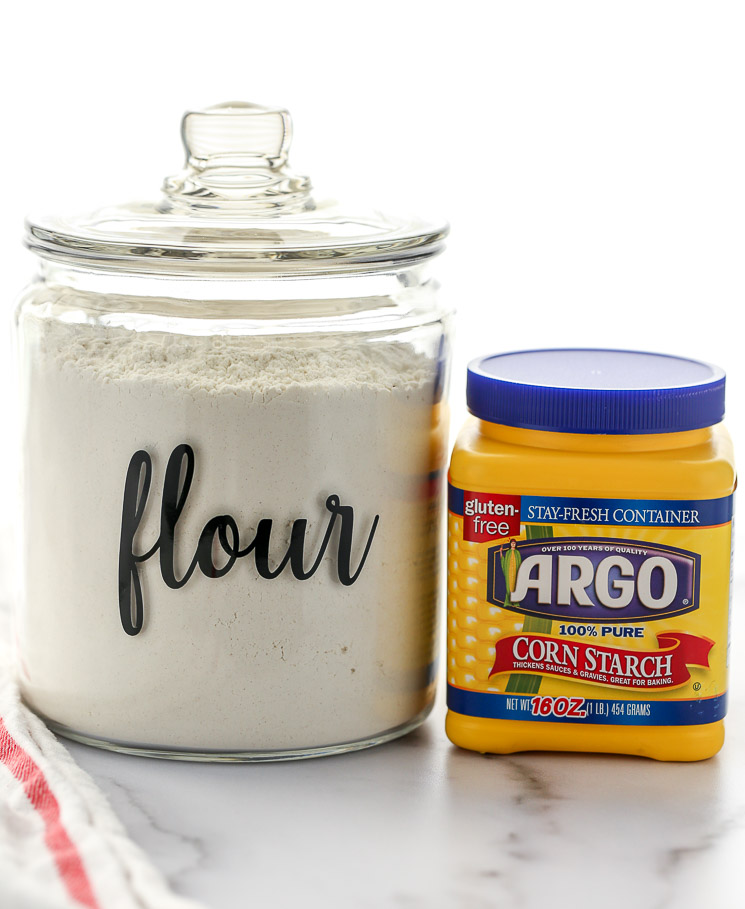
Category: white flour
<point>239,662</point>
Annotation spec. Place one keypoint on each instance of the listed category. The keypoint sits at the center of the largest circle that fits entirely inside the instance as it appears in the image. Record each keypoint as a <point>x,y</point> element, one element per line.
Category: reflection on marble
<point>419,823</point>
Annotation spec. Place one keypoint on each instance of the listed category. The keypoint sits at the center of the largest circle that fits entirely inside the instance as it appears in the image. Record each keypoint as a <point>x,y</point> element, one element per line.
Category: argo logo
<point>593,579</point>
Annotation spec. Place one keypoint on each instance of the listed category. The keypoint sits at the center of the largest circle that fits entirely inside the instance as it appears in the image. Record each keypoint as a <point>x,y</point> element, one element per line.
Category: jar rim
<point>53,239</point>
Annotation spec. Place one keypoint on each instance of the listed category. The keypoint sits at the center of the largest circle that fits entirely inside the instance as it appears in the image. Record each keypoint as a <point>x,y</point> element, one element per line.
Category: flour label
<point>222,534</point>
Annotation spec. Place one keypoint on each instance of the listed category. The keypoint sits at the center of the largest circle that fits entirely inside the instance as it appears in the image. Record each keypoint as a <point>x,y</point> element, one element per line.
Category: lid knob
<point>236,157</point>
<point>237,133</point>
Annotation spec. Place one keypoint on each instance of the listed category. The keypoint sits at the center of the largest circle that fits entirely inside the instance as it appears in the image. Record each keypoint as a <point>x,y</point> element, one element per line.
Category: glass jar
<point>234,428</point>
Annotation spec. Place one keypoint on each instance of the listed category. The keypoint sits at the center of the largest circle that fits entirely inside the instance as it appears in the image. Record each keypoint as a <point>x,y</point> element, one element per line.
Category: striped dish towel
<point>61,847</point>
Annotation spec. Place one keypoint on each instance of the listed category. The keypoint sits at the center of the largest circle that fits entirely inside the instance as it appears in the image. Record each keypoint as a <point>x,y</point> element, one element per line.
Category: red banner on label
<point>586,662</point>
<point>487,516</point>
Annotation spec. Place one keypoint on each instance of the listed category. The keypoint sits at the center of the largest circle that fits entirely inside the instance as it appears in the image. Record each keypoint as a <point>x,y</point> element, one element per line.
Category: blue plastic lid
<point>609,392</point>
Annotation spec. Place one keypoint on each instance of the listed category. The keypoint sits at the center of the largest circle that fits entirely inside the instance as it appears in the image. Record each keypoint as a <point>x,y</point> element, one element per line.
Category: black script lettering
<point>222,529</point>
<point>131,605</point>
<point>175,493</point>
<point>220,526</point>
<point>345,539</point>
<point>295,551</point>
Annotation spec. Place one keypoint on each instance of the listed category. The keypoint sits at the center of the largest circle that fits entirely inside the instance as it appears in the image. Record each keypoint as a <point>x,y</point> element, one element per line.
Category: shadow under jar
<point>234,431</point>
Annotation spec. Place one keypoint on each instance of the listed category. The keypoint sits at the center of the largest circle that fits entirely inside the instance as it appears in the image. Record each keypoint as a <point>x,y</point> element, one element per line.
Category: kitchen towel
<point>61,846</point>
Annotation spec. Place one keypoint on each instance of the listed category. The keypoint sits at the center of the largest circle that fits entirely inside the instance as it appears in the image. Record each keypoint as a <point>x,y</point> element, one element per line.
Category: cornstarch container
<point>234,428</point>
<point>590,550</point>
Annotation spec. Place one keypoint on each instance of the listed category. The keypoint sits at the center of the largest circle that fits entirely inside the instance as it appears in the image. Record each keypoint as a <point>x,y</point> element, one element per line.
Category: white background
<point>590,156</point>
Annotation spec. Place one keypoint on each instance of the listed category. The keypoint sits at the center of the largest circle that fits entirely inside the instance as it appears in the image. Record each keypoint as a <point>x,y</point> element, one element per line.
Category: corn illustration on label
<point>581,610</point>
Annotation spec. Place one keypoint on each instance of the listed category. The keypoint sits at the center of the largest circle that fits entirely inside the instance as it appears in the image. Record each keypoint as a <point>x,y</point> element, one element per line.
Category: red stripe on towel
<point>37,789</point>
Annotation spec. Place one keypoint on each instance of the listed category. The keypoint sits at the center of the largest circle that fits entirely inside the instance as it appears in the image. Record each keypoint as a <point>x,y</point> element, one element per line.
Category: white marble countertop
<point>420,823</point>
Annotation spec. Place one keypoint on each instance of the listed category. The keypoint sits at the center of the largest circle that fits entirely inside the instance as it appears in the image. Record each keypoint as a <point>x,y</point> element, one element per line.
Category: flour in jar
<point>235,651</point>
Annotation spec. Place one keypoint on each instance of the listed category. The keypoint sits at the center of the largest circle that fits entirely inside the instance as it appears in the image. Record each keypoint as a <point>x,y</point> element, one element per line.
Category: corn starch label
<point>610,611</point>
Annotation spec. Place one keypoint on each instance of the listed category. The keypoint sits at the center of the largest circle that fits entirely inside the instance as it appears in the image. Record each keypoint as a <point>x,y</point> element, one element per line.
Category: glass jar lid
<point>235,207</point>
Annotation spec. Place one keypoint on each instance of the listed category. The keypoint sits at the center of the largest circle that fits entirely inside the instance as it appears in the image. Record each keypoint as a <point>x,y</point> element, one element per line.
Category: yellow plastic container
<point>590,540</point>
